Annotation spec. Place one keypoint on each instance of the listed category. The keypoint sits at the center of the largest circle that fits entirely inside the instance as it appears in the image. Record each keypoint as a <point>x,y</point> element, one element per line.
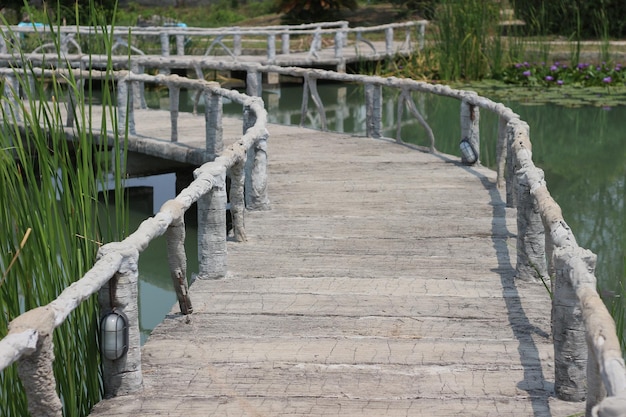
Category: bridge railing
<point>231,42</point>
<point>114,276</point>
<point>588,358</point>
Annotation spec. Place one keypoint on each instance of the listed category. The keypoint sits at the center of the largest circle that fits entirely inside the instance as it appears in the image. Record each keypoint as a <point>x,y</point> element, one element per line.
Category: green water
<point>582,151</point>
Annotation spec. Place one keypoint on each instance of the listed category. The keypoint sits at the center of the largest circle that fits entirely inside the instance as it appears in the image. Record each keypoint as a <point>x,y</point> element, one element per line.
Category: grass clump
<point>49,218</point>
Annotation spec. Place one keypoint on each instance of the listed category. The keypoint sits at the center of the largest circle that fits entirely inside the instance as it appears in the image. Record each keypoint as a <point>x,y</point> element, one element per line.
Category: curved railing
<point>588,358</point>
<point>30,335</point>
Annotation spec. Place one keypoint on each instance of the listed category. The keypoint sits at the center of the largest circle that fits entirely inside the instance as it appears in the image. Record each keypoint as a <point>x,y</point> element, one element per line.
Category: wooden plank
<point>381,282</point>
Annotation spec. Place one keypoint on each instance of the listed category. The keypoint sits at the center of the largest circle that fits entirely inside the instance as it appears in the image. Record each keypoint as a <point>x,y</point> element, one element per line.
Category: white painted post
<point>373,110</point>
<point>174,104</point>
<point>284,43</point>
<point>35,370</point>
<point>389,41</point>
<point>271,48</point>
<point>138,87</point>
<point>123,376</point>
<point>568,329</point>
<point>212,228</point>
<point>339,43</point>
<point>470,128</point>
<point>213,124</point>
<point>531,238</point>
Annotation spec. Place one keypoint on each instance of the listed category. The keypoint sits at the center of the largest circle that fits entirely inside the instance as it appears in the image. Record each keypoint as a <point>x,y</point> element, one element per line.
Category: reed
<point>50,223</point>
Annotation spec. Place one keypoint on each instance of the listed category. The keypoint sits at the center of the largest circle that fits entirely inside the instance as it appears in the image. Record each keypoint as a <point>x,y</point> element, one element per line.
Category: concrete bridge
<point>364,276</point>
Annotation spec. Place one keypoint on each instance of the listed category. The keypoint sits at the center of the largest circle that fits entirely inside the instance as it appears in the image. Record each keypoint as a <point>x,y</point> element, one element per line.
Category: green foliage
<point>558,74</point>
<point>465,34</point>
<point>423,8</point>
<point>573,17</point>
<point>49,222</point>
<point>308,11</point>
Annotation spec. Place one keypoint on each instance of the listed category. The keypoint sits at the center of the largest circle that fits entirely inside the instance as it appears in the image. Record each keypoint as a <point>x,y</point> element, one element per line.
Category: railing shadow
<point>539,390</point>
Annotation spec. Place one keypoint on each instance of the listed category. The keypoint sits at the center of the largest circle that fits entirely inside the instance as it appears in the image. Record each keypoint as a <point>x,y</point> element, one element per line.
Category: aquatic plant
<point>49,224</point>
<point>558,74</point>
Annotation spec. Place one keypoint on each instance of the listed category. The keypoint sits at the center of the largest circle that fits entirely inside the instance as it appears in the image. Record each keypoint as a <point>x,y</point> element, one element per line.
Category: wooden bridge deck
<point>381,282</point>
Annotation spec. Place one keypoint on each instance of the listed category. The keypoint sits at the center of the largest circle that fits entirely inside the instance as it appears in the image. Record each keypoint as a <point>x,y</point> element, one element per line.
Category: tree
<point>308,11</point>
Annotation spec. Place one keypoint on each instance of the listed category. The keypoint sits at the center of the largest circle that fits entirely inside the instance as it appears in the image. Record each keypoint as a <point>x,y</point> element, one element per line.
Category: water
<point>581,150</point>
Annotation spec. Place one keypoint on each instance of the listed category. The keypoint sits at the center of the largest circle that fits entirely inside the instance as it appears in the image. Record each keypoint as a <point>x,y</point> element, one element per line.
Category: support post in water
<point>373,110</point>
<point>212,228</point>
<point>123,376</point>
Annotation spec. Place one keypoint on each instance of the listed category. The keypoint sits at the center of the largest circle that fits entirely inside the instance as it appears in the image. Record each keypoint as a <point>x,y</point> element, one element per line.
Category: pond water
<point>582,151</point>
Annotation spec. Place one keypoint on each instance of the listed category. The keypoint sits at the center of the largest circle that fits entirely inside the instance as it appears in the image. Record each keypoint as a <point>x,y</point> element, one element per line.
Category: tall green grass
<point>49,189</point>
<point>466,38</point>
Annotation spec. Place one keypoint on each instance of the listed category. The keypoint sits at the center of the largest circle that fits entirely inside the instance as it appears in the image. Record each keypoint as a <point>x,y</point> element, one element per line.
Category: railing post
<point>271,47</point>
<point>256,177</point>
<point>389,41</point>
<point>165,44</point>
<point>212,228</point>
<point>470,128</point>
<point>284,43</point>
<point>35,370</point>
<point>515,129</point>
<point>11,92</point>
<point>213,123</point>
<point>176,256</point>
<point>174,104</point>
<point>531,238</point>
<point>568,328</point>
<point>254,83</point>
<point>139,96</point>
<point>339,42</point>
<point>123,376</point>
<point>237,201</point>
<point>180,45</point>
<point>501,153</point>
<point>373,110</point>
<point>422,36</point>
<point>125,110</point>
<point>237,44</point>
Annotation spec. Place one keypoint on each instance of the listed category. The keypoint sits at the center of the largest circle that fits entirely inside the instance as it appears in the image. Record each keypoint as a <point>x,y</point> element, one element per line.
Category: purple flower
<point>559,82</point>
<point>554,68</point>
<point>518,65</point>
<point>607,80</point>
<point>549,78</point>
<point>526,73</point>
<point>526,64</point>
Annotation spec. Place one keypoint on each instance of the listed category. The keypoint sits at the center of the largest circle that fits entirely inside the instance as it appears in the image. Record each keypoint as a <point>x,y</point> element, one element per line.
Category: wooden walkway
<point>381,283</point>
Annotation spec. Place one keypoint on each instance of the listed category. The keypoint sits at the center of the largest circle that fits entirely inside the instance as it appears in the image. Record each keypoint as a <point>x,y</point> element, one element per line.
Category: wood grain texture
<point>381,282</point>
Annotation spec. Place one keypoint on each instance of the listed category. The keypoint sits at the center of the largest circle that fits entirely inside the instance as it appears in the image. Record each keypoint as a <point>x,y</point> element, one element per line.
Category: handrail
<point>547,249</point>
<point>29,339</point>
<point>338,31</point>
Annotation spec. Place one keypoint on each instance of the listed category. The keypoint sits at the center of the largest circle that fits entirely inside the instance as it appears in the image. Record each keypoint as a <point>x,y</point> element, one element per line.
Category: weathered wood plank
<point>381,282</point>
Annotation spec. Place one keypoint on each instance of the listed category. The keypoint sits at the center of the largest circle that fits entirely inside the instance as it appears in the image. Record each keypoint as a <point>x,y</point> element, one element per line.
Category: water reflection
<point>582,151</point>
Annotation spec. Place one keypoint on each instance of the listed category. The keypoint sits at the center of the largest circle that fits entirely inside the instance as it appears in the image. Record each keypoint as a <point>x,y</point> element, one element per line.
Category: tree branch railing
<point>29,341</point>
<point>229,41</point>
<point>546,248</point>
